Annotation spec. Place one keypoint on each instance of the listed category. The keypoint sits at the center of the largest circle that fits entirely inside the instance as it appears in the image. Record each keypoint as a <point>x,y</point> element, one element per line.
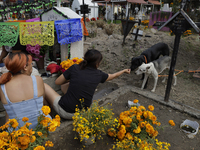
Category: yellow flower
<point>13,123</point>
<point>39,133</point>
<point>25,119</point>
<point>111,132</point>
<point>142,124</point>
<point>39,148</point>
<point>138,130</point>
<point>25,140</point>
<point>150,107</point>
<point>45,121</point>
<point>33,138</point>
<point>129,136</point>
<point>121,135</point>
<point>135,101</point>
<point>171,122</point>
<point>48,144</point>
<point>46,110</point>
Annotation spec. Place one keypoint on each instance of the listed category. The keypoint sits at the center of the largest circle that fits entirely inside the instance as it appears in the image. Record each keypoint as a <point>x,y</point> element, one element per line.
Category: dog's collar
<point>145,59</point>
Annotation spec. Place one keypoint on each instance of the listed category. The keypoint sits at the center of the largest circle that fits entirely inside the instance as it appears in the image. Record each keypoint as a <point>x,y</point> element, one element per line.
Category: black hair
<point>18,46</point>
<point>92,58</point>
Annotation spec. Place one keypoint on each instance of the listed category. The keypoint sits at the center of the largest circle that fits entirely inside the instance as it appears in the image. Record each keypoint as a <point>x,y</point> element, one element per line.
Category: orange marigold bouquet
<point>137,130</point>
<point>64,65</point>
<point>25,138</point>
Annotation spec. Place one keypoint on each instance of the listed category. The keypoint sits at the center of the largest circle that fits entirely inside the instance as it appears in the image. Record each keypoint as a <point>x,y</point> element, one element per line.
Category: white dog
<point>155,68</point>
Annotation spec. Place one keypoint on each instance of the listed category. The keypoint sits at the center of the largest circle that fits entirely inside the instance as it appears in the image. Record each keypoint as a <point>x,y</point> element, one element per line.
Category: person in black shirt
<point>79,82</point>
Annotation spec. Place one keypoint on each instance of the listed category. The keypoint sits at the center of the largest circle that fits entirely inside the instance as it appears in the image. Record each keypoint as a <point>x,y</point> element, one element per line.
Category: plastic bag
<point>192,124</point>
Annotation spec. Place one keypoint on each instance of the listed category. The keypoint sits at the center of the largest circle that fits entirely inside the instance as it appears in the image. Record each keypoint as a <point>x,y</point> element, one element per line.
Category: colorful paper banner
<point>9,33</point>
<point>33,33</point>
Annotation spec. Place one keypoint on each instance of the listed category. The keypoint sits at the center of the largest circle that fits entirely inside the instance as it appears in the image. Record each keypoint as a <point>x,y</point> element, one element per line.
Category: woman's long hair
<point>92,58</point>
<point>14,62</point>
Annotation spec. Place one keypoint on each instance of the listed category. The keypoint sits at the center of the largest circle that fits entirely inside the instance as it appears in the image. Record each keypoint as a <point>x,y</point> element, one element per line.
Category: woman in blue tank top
<point>20,93</point>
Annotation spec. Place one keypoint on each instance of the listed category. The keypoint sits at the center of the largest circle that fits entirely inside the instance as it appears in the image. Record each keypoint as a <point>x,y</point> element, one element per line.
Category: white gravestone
<point>62,13</point>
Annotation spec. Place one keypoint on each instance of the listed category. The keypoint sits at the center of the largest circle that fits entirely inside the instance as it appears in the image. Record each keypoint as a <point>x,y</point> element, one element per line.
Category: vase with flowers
<point>138,130</point>
<point>38,54</point>
<point>64,65</point>
<point>93,122</point>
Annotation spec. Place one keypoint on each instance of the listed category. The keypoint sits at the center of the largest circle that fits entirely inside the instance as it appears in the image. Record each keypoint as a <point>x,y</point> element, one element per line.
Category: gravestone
<point>62,13</point>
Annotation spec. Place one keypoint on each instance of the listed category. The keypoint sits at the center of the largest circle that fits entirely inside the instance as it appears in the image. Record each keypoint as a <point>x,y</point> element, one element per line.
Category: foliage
<point>64,65</point>
<point>109,28</point>
<point>25,138</point>
<point>94,121</point>
<point>137,130</point>
<point>100,23</point>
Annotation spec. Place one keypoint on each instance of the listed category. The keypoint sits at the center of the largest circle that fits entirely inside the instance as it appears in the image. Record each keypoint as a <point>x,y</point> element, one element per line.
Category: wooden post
<point>173,63</point>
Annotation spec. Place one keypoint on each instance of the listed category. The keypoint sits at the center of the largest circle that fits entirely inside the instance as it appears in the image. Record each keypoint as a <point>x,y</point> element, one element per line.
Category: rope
<point>189,71</point>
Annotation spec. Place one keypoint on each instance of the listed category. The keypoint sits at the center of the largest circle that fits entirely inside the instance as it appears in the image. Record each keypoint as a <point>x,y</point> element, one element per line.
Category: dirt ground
<point>117,57</point>
<point>64,139</point>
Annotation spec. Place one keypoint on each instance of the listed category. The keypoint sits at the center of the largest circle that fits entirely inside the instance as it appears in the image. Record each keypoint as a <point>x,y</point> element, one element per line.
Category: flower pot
<point>40,63</point>
<point>88,141</point>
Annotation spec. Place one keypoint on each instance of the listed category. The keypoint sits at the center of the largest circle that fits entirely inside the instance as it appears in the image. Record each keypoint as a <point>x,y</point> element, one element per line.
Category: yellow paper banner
<point>33,33</point>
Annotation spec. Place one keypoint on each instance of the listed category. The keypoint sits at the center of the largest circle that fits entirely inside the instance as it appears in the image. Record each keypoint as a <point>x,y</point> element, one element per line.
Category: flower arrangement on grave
<point>36,51</point>
<point>145,27</point>
<point>87,19</point>
<point>94,121</point>
<point>131,18</point>
<point>187,33</point>
<point>145,22</point>
<point>64,65</point>
<point>137,130</point>
<point>93,19</point>
<point>171,33</point>
<point>25,138</point>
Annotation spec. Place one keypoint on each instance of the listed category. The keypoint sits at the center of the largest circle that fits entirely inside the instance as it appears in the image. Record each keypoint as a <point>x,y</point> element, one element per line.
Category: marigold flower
<point>135,101</point>
<point>25,140</point>
<point>129,136</point>
<point>49,144</point>
<point>46,110</point>
<point>39,148</point>
<point>25,119</point>
<point>150,107</point>
<point>33,138</point>
<point>138,130</point>
<point>13,123</point>
<point>39,133</point>
<point>171,122</point>
<point>111,132</point>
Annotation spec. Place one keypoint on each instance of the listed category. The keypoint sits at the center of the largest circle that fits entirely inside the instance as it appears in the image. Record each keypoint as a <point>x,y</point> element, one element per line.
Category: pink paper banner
<point>33,20</point>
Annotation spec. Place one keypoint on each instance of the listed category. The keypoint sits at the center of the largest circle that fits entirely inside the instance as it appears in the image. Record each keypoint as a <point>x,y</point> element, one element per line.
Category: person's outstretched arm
<point>117,74</point>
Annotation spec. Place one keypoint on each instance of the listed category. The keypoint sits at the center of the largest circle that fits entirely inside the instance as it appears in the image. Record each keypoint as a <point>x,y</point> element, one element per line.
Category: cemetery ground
<point>117,57</point>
